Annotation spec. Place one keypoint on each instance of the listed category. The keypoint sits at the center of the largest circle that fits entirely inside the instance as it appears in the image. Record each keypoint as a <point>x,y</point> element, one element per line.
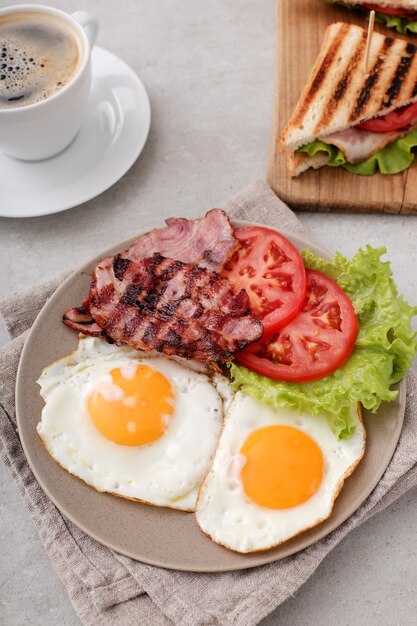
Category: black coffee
<point>39,54</point>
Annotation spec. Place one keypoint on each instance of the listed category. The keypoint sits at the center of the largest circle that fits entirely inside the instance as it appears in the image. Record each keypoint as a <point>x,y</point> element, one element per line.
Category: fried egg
<point>137,425</point>
<point>275,474</point>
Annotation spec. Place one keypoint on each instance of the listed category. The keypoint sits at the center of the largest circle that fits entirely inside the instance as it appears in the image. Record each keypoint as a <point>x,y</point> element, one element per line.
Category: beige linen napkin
<point>112,590</point>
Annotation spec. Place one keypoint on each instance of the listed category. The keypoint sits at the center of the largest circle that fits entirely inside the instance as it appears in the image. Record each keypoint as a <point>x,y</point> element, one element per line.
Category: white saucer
<point>109,142</point>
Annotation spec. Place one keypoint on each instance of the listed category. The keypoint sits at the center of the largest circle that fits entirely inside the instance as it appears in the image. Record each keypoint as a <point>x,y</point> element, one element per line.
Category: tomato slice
<point>401,12</point>
<point>271,270</point>
<point>315,343</point>
<point>400,118</point>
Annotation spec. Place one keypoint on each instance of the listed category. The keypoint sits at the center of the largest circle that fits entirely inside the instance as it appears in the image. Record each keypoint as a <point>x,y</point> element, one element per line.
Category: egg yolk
<point>283,468</point>
<point>134,408</point>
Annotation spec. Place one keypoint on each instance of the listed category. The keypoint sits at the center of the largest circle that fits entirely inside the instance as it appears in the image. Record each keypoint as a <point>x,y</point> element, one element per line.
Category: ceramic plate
<point>150,534</point>
<point>112,136</point>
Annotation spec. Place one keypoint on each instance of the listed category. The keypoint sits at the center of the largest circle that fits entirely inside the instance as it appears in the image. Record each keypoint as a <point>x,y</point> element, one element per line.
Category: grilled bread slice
<point>339,95</point>
<point>299,162</point>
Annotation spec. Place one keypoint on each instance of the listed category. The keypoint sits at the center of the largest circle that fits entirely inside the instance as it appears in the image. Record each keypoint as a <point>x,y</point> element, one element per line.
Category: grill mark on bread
<point>371,80</point>
<point>397,80</point>
<point>342,86</point>
<point>321,74</point>
<point>366,91</point>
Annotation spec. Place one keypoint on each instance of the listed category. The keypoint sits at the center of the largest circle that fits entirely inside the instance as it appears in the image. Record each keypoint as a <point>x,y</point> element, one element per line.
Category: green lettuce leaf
<point>400,24</point>
<point>394,158</point>
<point>383,352</point>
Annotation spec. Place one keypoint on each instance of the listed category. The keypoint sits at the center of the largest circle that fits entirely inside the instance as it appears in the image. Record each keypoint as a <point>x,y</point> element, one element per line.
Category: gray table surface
<point>209,71</point>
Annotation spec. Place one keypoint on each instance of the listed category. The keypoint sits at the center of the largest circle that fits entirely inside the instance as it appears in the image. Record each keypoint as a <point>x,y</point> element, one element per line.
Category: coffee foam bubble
<point>38,56</point>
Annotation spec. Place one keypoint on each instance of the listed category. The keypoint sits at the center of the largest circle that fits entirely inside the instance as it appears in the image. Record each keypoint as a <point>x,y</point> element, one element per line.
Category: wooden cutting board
<point>300,30</point>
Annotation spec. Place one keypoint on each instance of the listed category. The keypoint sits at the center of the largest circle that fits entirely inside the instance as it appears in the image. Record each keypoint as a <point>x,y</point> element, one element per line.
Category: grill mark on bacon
<point>80,315</point>
<point>173,339</point>
<point>169,309</point>
<point>109,315</point>
<point>119,266</point>
<point>107,294</point>
<point>321,75</point>
<point>197,324</point>
<point>208,256</point>
<point>131,294</point>
<point>169,274</point>
<point>150,333</point>
<point>199,310</point>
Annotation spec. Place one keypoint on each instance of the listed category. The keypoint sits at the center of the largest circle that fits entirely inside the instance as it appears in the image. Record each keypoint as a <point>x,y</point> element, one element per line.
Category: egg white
<point>167,472</point>
<point>226,514</point>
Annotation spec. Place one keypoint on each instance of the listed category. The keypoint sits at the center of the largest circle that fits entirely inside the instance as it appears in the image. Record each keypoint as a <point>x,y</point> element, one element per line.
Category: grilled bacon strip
<point>79,319</point>
<point>207,242</point>
<point>173,307</point>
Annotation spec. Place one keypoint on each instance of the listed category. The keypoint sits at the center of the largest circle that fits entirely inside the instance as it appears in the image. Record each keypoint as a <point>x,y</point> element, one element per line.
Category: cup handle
<point>89,24</point>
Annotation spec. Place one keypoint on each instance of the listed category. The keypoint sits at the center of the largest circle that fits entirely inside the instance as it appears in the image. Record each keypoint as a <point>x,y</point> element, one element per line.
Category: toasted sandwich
<point>398,14</point>
<point>363,121</point>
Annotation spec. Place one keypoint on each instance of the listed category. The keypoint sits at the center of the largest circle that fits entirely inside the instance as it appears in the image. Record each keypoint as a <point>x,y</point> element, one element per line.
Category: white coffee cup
<point>43,129</point>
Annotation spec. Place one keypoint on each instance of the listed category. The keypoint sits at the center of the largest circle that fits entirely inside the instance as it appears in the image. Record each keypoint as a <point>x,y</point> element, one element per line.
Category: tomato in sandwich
<point>271,270</point>
<point>397,11</point>
<point>315,343</point>
<point>400,118</point>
